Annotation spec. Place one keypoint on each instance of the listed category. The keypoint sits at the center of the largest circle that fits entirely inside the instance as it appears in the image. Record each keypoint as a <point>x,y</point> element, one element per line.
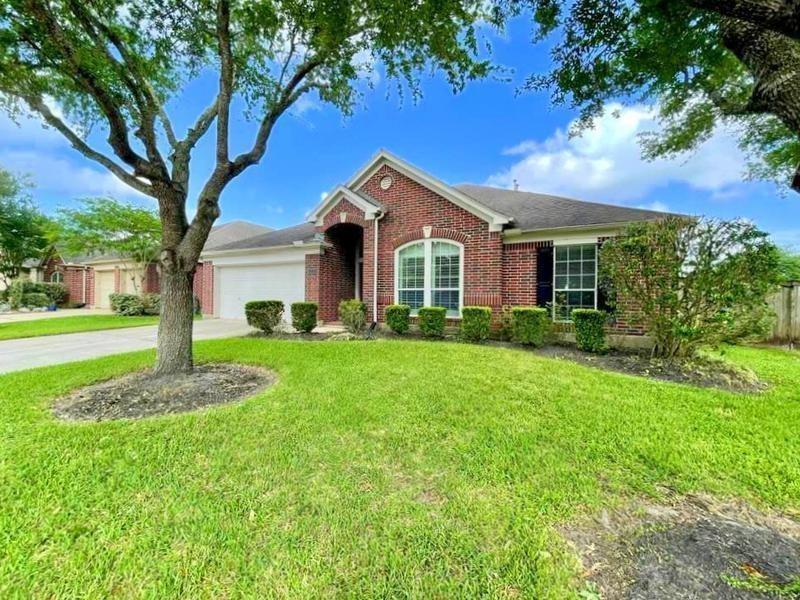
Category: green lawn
<point>372,469</point>
<point>56,325</point>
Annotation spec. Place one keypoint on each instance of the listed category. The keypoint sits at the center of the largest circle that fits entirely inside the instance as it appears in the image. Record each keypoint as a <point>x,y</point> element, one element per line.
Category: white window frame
<point>427,291</point>
<point>60,277</point>
<point>556,289</point>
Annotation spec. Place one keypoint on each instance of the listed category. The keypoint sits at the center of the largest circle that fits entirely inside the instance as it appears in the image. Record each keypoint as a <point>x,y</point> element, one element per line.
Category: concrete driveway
<point>27,353</point>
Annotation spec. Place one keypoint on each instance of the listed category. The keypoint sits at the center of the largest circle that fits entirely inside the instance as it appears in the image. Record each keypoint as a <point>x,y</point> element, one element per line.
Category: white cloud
<point>58,175</point>
<point>657,205</point>
<point>605,163</point>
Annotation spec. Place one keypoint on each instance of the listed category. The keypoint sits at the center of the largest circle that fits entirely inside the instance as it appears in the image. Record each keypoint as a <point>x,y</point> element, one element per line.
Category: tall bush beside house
<point>695,282</point>
<point>476,323</point>
<point>432,320</point>
<point>590,332</point>
<point>127,305</point>
<point>35,300</point>
<point>530,325</point>
<point>304,316</point>
<point>264,314</point>
<point>397,317</point>
<point>353,315</point>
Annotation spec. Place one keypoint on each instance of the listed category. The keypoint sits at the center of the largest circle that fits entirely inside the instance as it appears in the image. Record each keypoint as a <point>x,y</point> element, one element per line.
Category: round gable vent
<point>386,182</point>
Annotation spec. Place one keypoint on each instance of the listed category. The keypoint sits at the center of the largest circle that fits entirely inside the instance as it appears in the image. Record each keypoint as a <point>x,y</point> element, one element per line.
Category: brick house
<point>395,233</point>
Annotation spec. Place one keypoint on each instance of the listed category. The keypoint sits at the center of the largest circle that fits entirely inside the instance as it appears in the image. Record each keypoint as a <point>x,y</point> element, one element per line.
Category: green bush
<point>530,325</point>
<point>127,305</point>
<point>353,315</point>
<point>590,334</point>
<point>264,314</point>
<point>431,320</point>
<point>304,316</point>
<point>151,304</point>
<point>476,323</point>
<point>35,300</point>
<point>15,292</point>
<point>57,292</point>
<point>397,317</point>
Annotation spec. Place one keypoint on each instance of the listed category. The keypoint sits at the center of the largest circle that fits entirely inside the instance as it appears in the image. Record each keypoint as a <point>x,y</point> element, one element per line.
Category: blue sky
<point>487,134</point>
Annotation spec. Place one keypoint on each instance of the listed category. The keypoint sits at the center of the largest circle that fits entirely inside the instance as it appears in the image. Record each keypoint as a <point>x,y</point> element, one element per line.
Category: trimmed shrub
<point>353,315</point>
<point>15,292</point>
<point>57,292</point>
<point>530,325</point>
<point>128,305</point>
<point>304,316</point>
<point>476,323</point>
<point>589,332</point>
<point>264,314</point>
<point>397,317</point>
<point>151,304</point>
<point>35,300</point>
<point>431,320</point>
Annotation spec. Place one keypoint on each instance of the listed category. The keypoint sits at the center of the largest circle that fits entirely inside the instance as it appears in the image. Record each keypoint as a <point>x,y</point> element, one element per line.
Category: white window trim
<point>428,283</point>
<point>60,276</point>
<point>556,290</point>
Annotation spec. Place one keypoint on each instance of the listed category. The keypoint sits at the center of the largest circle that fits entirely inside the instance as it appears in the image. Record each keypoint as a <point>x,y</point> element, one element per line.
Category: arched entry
<point>341,268</point>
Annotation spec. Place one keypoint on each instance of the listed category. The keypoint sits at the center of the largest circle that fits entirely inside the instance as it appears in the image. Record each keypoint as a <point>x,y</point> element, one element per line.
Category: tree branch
<point>225,81</point>
<point>781,16</point>
<point>37,105</point>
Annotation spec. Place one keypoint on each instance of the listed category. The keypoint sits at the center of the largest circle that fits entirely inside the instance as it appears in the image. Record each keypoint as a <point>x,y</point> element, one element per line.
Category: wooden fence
<point>786,304</point>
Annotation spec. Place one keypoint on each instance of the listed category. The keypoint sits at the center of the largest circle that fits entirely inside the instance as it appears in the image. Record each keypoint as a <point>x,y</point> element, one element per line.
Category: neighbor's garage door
<point>238,285</point>
<point>104,287</point>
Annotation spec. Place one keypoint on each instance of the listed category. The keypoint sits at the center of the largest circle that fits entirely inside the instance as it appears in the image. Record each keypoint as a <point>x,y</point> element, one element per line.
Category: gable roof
<point>303,233</point>
<point>532,211</point>
<point>233,231</point>
<point>495,219</point>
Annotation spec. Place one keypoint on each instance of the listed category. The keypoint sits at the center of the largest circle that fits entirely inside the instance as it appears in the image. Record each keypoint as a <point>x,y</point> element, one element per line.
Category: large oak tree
<point>702,62</point>
<point>117,64</point>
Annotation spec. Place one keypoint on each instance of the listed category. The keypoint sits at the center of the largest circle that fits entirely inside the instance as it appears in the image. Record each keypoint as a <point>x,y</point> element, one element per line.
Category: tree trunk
<point>174,347</point>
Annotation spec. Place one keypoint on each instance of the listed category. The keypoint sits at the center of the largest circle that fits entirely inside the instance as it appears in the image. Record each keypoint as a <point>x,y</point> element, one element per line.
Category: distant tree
<point>116,64</point>
<point>701,62</point>
<point>789,265</point>
<point>108,226</point>
<point>694,282</point>
<point>23,229</point>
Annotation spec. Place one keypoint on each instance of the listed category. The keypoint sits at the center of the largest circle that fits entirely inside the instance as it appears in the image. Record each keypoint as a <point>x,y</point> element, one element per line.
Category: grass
<point>56,325</point>
<point>372,469</point>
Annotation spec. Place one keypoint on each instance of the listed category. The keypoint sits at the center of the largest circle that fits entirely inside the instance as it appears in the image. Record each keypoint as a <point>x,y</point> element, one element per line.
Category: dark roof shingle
<point>279,237</point>
<point>532,211</point>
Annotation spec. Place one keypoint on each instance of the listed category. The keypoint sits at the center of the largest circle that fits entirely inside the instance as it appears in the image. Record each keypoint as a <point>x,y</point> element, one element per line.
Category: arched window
<point>56,277</point>
<point>430,273</point>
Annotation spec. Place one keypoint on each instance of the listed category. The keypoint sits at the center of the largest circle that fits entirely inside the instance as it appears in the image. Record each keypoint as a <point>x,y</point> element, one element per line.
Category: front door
<point>544,276</point>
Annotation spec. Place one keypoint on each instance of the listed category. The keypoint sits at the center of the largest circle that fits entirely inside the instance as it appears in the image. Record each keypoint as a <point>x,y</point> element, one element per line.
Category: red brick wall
<point>151,282</point>
<point>410,207</point>
<point>203,286</point>
<point>519,274</point>
<point>72,278</point>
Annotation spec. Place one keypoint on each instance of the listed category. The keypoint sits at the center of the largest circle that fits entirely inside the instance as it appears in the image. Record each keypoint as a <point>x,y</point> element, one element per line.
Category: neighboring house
<point>91,280</point>
<point>60,267</point>
<point>394,233</point>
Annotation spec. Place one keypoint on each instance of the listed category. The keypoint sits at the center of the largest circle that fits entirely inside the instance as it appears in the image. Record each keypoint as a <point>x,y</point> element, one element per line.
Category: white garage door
<point>104,287</point>
<point>238,285</point>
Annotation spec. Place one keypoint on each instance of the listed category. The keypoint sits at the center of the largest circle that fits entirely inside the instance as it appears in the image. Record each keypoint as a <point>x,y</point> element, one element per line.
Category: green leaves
<point>23,229</point>
<point>108,226</point>
<point>669,54</point>
<point>693,282</point>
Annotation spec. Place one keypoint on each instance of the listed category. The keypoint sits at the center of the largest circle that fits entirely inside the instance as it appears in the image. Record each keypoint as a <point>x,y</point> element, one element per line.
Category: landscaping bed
<point>691,547</point>
<point>142,395</point>
<point>702,371</point>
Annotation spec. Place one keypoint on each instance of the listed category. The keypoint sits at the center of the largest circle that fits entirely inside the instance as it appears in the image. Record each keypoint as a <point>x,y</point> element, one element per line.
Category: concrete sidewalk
<point>15,317</point>
<point>27,353</point>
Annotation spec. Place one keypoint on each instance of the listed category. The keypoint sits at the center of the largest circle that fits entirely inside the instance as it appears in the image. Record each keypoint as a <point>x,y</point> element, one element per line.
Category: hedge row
<point>527,325</point>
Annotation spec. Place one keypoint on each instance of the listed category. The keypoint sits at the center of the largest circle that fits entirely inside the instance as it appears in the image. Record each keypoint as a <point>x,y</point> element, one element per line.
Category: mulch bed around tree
<point>701,371</point>
<point>142,395</point>
<point>691,547</point>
